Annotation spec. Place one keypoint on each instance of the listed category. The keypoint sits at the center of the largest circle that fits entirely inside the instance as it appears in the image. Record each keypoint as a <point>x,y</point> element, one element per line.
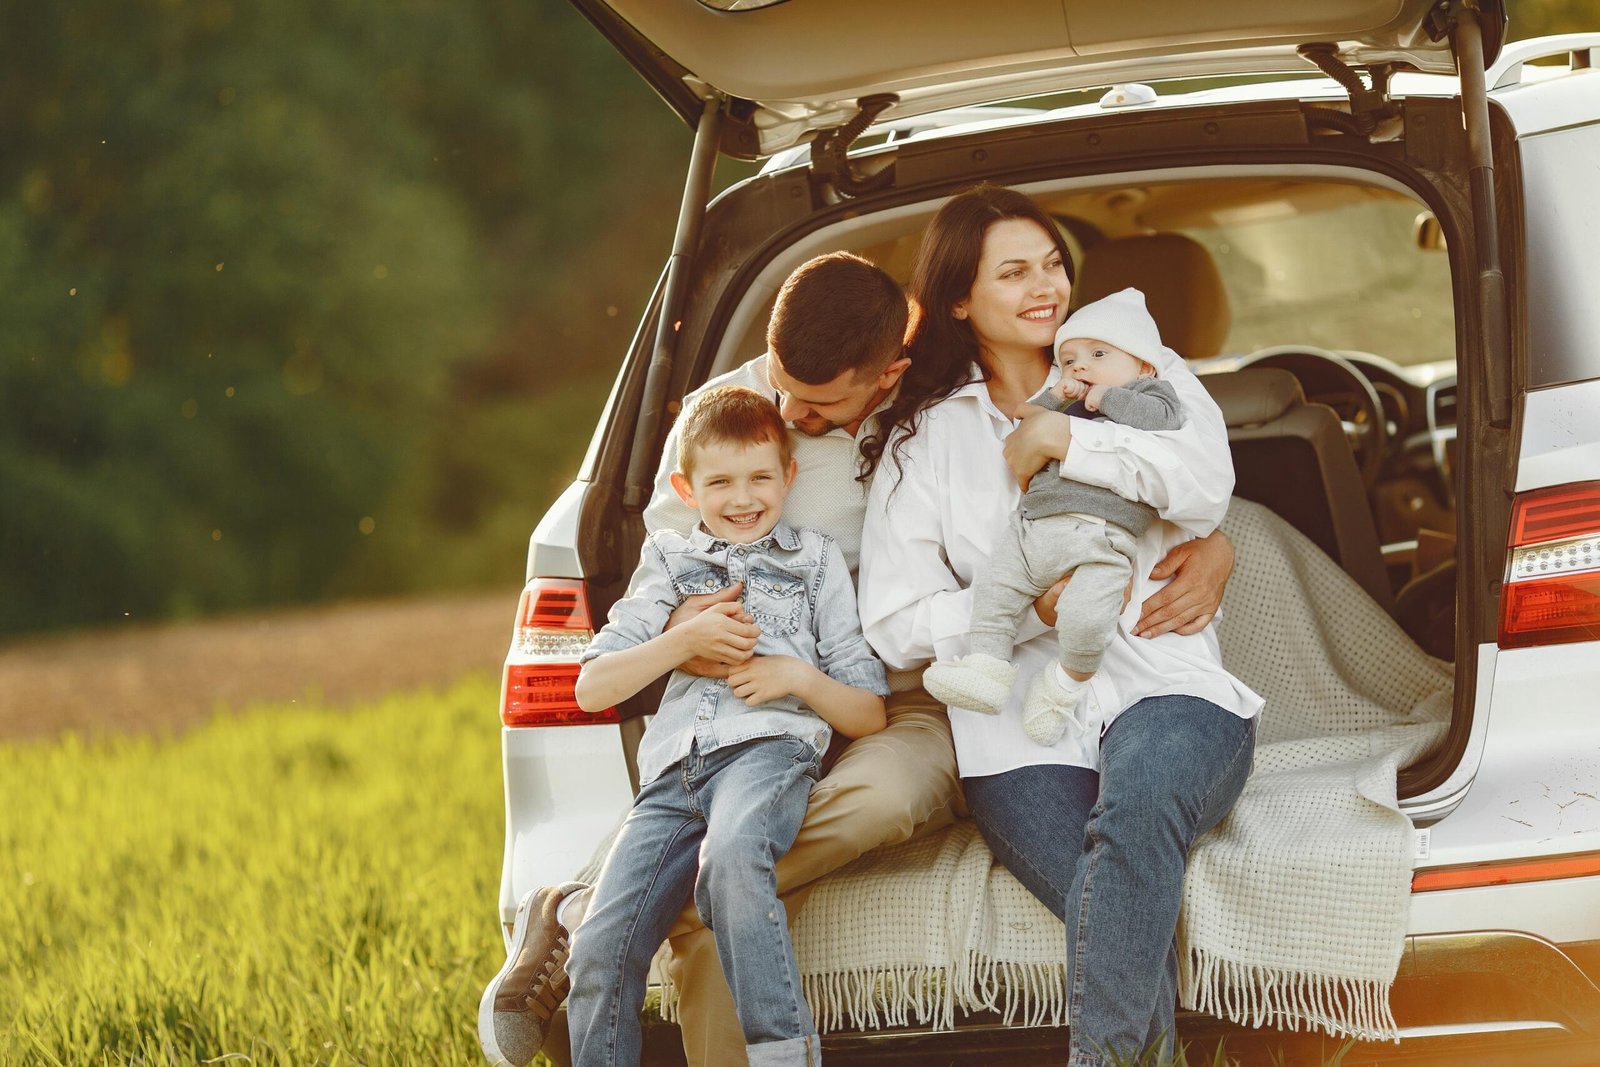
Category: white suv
<point>1420,251</point>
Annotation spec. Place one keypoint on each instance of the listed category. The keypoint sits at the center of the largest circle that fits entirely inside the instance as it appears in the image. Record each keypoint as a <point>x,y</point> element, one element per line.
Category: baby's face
<point>1097,363</point>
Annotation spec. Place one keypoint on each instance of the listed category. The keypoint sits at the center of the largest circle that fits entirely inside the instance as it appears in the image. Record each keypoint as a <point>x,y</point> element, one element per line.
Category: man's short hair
<point>735,414</point>
<point>835,313</point>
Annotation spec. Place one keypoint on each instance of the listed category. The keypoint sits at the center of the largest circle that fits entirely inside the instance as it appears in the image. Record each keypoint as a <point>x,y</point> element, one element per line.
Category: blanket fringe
<point>872,998</point>
<point>1257,996</point>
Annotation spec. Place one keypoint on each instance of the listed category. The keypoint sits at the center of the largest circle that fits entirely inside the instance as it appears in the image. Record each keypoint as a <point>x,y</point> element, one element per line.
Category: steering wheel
<point>1333,380</point>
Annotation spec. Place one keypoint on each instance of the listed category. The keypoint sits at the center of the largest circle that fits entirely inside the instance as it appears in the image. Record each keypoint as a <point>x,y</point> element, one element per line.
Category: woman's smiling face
<point>1019,296</point>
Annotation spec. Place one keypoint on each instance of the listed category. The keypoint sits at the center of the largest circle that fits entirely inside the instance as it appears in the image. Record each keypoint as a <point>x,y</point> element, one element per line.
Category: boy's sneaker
<point>1049,708</point>
<point>977,682</point>
<point>514,1014</point>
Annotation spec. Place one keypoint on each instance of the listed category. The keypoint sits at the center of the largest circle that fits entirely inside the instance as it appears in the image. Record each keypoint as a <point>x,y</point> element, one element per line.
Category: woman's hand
<point>1044,605</point>
<point>1043,435</point>
<point>1199,571</point>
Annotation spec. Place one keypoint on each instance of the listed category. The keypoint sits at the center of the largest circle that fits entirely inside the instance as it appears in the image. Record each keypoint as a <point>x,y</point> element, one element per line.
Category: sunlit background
<point>305,301</point>
<point>299,303</point>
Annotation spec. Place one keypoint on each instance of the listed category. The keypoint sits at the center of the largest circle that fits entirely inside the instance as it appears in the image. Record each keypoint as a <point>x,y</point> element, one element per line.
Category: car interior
<point>1317,309</point>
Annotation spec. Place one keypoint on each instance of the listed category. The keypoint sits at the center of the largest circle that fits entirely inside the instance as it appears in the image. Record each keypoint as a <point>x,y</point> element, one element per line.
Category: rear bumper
<point>1493,997</point>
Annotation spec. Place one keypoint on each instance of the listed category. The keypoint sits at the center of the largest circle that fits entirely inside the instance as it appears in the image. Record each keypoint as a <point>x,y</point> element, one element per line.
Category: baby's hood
<point>1121,319</point>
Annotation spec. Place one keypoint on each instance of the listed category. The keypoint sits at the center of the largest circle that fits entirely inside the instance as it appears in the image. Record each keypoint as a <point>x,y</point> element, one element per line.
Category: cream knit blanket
<point>1294,908</point>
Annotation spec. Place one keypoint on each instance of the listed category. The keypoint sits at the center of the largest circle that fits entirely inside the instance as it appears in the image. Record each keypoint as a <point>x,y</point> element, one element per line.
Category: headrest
<point>1253,396</point>
<point>1180,282</point>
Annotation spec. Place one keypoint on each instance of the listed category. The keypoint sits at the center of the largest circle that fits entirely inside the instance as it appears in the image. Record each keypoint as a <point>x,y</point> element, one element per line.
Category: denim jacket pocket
<point>699,580</point>
<point>776,601</point>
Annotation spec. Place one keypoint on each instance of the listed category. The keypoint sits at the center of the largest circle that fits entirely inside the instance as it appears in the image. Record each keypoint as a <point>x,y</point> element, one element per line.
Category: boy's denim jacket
<point>797,586</point>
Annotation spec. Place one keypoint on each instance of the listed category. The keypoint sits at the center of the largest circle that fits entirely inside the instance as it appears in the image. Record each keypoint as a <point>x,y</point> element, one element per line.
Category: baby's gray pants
<point>1031,556</point>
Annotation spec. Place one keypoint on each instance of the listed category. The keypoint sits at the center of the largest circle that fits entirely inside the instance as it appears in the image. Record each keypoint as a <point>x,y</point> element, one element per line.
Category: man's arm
<point>613,677</point>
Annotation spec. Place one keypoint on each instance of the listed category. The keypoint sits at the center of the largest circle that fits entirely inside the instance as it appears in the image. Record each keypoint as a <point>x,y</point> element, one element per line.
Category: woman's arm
<point>915,607</point>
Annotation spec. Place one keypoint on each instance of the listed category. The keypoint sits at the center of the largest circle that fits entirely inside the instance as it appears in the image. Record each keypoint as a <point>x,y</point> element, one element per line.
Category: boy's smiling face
<point>738,488</point>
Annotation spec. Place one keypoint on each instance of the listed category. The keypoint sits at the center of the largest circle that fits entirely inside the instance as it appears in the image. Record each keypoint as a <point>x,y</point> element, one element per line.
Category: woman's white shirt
<point>930,524</point>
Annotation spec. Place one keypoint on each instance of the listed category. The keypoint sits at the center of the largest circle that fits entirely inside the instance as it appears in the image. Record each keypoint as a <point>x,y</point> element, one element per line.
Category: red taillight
<point>1552,587</point>
<point>552,631</point>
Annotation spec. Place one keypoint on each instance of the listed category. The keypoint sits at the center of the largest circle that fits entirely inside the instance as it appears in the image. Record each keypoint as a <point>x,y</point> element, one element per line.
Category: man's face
<point>816,409</point>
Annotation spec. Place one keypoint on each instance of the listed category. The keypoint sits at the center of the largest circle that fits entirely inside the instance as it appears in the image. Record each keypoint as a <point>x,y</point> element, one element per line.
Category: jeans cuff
<point>795,1052</point>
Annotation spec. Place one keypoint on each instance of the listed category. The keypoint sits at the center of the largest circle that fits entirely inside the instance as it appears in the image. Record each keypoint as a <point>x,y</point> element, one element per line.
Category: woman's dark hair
<point>943,348</point>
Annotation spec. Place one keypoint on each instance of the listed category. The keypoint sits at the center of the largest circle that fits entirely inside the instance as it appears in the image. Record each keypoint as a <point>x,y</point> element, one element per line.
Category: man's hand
<point>762,679</point>
<point>1199,571</point>
<point>1042,436</point>
<point>719,632</point>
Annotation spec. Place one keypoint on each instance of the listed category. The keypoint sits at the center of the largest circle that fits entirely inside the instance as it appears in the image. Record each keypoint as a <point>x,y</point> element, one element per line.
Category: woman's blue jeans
<point>715,824</point>
<point>1106,851</point>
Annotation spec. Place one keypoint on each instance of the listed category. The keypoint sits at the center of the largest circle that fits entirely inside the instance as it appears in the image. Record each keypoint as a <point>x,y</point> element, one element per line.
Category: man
<point>835,353</point>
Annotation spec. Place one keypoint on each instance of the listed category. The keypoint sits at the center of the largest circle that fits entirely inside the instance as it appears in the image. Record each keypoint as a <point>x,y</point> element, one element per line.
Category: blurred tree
<point>261,263</point>
<point>301,300</point>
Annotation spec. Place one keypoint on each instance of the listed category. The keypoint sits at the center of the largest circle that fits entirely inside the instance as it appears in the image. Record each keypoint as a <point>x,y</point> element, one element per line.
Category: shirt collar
<point>978,389</point>
<point>783,535</point>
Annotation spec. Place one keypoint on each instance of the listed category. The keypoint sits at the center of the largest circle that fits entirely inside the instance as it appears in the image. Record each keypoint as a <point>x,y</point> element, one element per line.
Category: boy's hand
<point>720,634</point>
<point>761,679</point>
<point>1093,395</point>
<point>692,607</point>
<point>1070,389</point>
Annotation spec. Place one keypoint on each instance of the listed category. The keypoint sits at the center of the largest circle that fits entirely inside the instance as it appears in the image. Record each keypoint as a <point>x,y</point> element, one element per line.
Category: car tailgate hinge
<point>1369,104</point>
<point>832,172</point>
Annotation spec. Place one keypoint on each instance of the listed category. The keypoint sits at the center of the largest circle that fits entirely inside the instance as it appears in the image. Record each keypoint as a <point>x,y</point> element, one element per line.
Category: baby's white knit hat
<point>1120,319</point>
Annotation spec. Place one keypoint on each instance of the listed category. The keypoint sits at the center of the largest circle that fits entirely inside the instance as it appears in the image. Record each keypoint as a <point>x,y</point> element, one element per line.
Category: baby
<point>1110,354</point>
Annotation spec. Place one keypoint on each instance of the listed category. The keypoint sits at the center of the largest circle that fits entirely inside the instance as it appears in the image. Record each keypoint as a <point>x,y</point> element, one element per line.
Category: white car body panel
<point>1560,435</point>
<point>566,789</point>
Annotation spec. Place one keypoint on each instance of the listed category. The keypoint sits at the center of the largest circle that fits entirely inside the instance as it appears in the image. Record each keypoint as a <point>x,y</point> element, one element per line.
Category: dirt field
<point>161,677</point>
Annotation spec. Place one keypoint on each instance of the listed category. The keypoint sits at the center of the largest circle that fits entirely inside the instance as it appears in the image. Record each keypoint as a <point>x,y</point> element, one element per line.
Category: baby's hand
<point>1070,389</point>
<point>1094,395</point>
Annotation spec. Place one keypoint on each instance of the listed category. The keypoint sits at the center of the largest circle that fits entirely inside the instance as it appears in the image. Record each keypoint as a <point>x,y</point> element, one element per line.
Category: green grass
<point>289,885</point>
<point>292,885</point>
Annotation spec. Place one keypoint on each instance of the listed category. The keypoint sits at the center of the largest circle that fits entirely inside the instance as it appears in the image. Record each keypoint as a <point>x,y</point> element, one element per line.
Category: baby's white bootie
<point>1052,704</point>
<point>977,682</point>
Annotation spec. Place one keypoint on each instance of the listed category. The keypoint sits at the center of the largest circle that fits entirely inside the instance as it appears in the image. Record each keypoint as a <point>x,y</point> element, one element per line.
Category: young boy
<point>726,767</point>
<point>1110,354</point>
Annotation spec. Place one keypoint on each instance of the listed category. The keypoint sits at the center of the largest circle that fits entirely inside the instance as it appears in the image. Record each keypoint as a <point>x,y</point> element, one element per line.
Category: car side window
<point>1563,272</point>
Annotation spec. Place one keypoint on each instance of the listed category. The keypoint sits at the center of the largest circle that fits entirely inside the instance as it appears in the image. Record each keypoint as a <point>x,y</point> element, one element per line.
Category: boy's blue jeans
<point>715,824</point>
<point>1106,852</point>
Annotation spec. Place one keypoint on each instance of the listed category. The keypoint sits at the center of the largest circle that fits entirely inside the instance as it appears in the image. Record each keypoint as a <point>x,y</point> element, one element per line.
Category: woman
<point>1098,832</point>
